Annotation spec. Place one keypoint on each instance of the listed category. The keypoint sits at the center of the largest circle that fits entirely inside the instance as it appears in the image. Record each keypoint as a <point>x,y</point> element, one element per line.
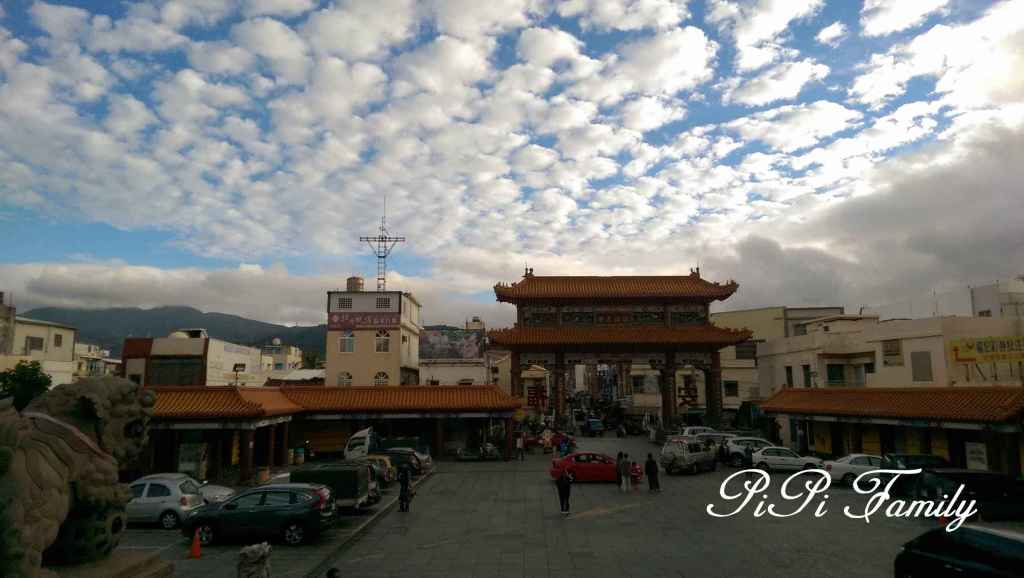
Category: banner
<point>987,349</point>
<point>337,321</point>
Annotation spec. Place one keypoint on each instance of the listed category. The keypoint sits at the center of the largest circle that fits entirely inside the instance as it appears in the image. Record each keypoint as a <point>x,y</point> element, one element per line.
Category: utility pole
<point>381,245</point>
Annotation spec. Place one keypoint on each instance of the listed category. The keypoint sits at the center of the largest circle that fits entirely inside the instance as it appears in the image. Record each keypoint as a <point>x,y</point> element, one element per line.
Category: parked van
<point>349,483</point>
<point>358,446</point>
<point>687,455</point>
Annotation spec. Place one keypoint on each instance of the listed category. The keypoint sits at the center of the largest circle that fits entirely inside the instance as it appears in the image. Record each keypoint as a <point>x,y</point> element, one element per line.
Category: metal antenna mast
<point>381,245</point>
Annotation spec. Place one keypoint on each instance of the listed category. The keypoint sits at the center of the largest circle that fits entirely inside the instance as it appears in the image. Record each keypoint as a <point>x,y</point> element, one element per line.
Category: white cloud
<point>973,63</point>
<point>755,25</point>
<point>471,19</point>
<point>832,34</point>
<point>283,49</point>
<point>625,14</point>
<point>444,65</point>
<point>180,13</point>
<point>648,113</point>
<point>60,22</point>
<point>127,115</point>
<point>661,65</point>
<point>781,82</point>
<point>547,46</point>
<point>286,8</point>
<point>882,17</point>
<point>361,30</point>
<point>789,128</point>
<point>220,57</point>
<point>132,34</point>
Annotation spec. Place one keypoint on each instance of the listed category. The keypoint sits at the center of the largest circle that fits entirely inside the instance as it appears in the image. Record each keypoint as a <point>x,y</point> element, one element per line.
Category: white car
<point>736,447</point>
<point>847,468</point>
<point>779,458</point>
<point>696,429</point>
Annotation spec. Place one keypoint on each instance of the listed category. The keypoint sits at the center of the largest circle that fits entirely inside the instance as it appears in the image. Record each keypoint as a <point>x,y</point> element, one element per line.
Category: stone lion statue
<point>254,561</point>
<point>59,490</point>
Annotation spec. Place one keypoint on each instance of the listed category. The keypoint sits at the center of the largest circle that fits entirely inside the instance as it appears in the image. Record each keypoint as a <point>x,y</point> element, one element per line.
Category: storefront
<point>236,434</point>
<point>972,427</point>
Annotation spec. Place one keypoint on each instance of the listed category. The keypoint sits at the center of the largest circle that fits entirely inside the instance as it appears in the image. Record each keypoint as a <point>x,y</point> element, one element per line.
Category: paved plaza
<point>502,519</point>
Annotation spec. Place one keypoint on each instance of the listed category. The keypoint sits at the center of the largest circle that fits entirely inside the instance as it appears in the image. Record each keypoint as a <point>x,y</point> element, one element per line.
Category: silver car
<point>169,498</point>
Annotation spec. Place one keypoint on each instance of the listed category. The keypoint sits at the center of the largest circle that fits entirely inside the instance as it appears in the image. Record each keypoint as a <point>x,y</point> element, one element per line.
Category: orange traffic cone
<point>194,552</point>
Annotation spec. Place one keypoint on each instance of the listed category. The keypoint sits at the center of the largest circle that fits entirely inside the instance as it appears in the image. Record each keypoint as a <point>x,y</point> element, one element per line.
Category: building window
<point>405,339</point>
<point>892,353</point>
<point>807,375</point>
<point>344,303</point>
<point>836,374</point>
<point>465,382</point>
<point>921,365</point>
<point>381,378</point>
<point>33,344</point>
<point>869,367</point>
<point>985,313</point>
<point>383,303</point>
<point>732,388</point>
<point>746,350</point>
<point>58,340</point>
<point>176,371</point>
<point>383,344</point>
<point>433,382</point>
<point>344,379</point>
<point>789,376</point>
<point>347,342</point>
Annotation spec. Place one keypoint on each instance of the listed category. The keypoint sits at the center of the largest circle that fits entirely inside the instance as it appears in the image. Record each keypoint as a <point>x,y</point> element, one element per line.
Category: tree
<point>24,383</point>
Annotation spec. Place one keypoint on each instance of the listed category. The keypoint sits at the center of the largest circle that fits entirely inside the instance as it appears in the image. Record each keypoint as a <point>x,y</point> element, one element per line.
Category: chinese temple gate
<point>660,321</point>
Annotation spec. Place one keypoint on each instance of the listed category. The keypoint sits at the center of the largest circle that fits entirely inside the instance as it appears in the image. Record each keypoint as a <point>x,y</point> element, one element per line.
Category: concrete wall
<point>452,371</point>
<point>221,359</point>
<point>50,334</point>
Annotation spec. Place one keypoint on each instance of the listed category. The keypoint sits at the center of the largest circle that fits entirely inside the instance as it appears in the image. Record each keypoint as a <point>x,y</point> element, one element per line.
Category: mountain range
<point>108,327</point>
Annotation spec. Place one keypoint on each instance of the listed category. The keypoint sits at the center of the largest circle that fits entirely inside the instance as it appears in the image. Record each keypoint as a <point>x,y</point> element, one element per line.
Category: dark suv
<point>999,496</point>
<point>905,484</point>
<point>976,551</point>
<point>294,512</point>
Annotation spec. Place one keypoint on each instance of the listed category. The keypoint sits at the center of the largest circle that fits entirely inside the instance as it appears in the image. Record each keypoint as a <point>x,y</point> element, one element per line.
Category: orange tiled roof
<point>197,402</point>
<point>967,404</point>
<point>644,287</point>
<point>444,398</point>
<point>609,334</point>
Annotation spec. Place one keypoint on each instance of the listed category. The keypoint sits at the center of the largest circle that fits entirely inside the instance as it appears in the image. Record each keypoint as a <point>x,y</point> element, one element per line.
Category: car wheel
<point>294,533</point>
<point>763,466</point>
<point>848,480</point>
<point>205,534</point>
<point>169,520</point>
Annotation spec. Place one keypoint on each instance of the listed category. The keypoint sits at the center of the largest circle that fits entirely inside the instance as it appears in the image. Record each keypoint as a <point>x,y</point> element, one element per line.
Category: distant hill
<point>108,327</point>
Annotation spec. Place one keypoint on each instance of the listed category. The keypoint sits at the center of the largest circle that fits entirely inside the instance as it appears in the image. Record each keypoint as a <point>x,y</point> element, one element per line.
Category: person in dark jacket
<point>618,469</point>
<point>651,470</point>
<point>405,491</point>
<point>723,453</point>
<point>564,485</point>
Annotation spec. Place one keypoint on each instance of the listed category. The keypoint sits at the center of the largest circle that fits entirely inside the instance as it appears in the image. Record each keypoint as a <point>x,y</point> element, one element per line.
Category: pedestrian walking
<point>521,446</point>
<point>404,491</point>
<point>651,470</point>
<point>632,468</point>
<point>618,469</point>
<point>564,485</point>
<point>627,481</point>
<point>723,453</point>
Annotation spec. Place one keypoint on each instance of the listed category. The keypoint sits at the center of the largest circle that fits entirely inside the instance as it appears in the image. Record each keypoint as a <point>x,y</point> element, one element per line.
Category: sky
<point>228,154</point>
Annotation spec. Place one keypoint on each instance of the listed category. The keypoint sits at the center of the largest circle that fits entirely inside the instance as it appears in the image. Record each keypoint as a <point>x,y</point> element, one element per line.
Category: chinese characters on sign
<point>362,320</point>
<point>987,349</point>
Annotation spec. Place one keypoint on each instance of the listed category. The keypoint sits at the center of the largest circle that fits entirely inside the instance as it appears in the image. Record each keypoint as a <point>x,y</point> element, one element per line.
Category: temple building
<point>661,322</point>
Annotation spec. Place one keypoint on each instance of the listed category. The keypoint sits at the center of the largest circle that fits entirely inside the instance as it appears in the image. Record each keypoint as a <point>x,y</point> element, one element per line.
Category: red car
<point>590,467</point>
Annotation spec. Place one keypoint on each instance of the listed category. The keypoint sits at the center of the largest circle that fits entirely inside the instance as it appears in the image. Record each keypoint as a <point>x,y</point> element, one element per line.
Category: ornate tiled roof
<point>616,334</point>
<point>618,287</point>
<point>197,402</point>
<point>442,398</point>
<point>965,404</point>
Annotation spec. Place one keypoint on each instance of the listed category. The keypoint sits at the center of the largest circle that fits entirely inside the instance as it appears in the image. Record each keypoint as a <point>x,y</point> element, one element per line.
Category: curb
<point>321,569</point>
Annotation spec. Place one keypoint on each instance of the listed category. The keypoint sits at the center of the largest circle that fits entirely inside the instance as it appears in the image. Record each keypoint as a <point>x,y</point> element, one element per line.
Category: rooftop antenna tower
<point>381,245</point>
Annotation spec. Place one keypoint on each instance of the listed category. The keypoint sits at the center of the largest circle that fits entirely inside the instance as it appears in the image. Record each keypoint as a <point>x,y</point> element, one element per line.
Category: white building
<point>191,357</point>
<point>51,344</point>
<point>1002,299</point>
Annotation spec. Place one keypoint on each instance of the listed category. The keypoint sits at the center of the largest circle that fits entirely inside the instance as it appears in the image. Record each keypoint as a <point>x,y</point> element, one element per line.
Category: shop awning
<point>990,405</point>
